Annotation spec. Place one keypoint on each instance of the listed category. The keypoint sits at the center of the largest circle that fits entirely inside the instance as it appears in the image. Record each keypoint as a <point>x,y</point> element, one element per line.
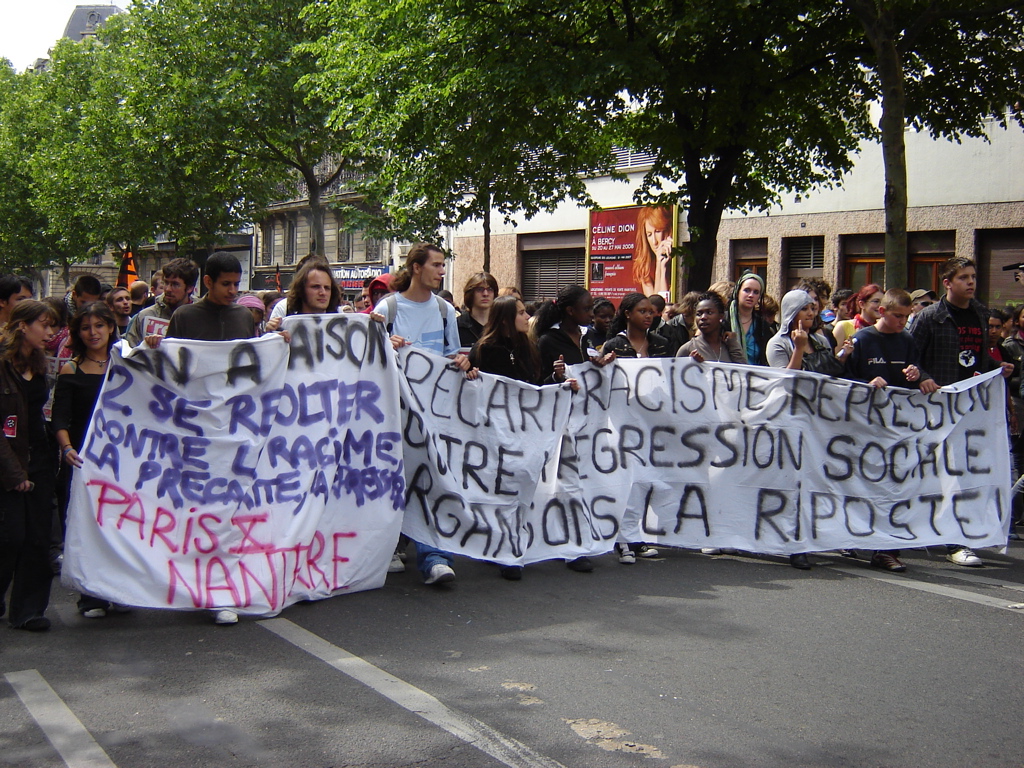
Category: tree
<point>34,233</point>
<point>462,127</point>
<point>943,66</point>
<point>220,79</point>
<point>738,101</point>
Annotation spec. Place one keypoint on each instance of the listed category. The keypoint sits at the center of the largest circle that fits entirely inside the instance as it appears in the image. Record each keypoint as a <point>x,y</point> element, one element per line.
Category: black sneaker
<point>35,624</point>
<point>580,565</point>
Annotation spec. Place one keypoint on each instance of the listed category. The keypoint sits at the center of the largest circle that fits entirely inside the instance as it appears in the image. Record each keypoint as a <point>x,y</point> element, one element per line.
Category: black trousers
<point>26,520</point>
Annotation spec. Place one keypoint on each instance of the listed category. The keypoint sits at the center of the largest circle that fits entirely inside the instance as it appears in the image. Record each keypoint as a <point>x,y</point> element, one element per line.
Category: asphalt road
<point>684,660</point>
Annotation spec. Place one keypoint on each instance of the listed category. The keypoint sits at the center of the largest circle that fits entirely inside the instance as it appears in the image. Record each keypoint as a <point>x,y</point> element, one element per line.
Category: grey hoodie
<point>780,346</point>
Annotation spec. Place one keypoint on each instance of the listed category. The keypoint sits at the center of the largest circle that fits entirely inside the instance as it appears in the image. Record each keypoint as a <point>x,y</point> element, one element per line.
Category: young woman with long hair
<point>747,318</point>
<point>27,467</point>
<point>478,296</point>
<point>632,337</point>
<point>863,310</point>
<point>506,349</point>
<point>93,331</point>
<point>652,256</point>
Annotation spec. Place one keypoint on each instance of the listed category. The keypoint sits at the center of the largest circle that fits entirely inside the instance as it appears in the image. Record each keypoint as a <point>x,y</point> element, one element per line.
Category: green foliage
<point>738,101</point>
<point>220,80</point>
<point>463,119</point>
<point>35,230</point>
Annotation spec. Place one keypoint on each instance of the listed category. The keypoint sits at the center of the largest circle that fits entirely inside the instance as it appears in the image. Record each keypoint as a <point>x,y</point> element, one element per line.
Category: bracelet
<point>65,449</point>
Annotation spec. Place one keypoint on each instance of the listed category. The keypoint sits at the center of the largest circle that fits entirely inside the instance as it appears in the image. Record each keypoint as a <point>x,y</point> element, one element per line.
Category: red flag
<point>128,274</point>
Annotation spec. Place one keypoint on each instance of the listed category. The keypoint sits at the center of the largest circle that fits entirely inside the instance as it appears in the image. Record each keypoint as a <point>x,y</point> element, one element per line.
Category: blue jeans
<point>427,557</point>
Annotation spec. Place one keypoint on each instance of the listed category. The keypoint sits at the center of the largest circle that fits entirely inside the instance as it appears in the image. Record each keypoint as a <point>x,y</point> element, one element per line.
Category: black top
<point>657,346</point>
<point>469,330</point>
<point>501,359</point>
<point>73,401</point>
<point>554,343</point>
<point>593,338</point>
<point>972,339</point>
<point>206,321</point>
<point>36,393</point>
<point>883,354</point>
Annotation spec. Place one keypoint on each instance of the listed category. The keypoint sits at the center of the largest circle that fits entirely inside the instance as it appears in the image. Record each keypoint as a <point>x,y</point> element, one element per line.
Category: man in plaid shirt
<point>952,335</point>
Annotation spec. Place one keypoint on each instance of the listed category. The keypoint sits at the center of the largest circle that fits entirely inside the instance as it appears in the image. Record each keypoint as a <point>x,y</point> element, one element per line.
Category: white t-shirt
<point>420,323</point>
<point>281,309</point>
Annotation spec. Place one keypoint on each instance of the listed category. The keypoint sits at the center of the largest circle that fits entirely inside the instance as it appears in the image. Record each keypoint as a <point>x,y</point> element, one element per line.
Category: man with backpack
<point>414,315</point>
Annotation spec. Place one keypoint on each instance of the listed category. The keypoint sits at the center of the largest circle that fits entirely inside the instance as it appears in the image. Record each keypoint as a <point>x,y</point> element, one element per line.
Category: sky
<point>31,27</point>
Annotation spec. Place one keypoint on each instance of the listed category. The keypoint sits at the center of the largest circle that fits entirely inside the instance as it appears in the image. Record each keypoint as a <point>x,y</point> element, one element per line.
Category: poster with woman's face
<point>630,250</point>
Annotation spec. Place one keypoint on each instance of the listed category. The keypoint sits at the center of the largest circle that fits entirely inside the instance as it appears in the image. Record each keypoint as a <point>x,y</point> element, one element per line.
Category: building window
<point>805,257</point>
<point>374,249</point>
<point>749,256</point>
<point>926,253</point>
<point>545,272</point>
<point>266,245</point>
<point>290,243</point>
<point>344,245</point>
<point>997,249</point>
<point>863,260</point>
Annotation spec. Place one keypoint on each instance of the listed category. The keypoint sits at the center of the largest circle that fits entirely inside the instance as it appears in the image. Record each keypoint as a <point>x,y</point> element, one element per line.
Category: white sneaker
<point>965,557</point>
<point>626,556</point>
<point>440,574</point>
<point>710,551</point>
<point>225,617</point>
<point>396,565</point>
<point>95,613</point>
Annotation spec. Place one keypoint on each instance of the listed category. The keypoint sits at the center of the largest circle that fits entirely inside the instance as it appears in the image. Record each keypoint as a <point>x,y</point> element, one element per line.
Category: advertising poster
<point>630,249</point>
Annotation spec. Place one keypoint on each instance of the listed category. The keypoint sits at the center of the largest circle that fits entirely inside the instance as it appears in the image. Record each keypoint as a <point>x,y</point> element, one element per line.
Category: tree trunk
<point>708,195</point>
<point>487,227</point>
<point>700,262</point>
<point>879,29</point>
<point>316,213</point>
<point>894,157</point>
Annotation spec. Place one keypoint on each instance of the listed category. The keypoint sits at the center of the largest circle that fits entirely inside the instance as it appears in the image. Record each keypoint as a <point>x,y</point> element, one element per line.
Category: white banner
<point>773,461</point>
<point>242,474</point>
<point>254,474</point>
<point>474,453</point>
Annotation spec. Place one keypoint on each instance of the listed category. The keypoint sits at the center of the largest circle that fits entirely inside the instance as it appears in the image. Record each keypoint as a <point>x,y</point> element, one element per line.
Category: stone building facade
<point>966,199</point>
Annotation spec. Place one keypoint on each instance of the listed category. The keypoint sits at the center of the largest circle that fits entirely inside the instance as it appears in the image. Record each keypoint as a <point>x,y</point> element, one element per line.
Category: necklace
<point>98,362</point>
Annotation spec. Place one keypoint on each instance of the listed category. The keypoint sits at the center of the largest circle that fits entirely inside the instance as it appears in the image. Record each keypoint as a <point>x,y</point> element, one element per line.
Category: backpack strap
<point>390,310</point>
<point>442,307</point>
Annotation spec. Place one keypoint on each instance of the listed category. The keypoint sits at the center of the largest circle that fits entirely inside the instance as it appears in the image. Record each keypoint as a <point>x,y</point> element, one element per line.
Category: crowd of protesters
<point>55,354</point>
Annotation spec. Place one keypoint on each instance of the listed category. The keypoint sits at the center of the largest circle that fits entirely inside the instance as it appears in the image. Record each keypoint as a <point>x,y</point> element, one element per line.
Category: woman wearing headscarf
<point>746,318</point>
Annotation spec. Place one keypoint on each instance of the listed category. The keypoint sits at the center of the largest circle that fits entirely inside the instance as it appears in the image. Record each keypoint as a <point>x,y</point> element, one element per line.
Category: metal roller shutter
<point>545,272</point>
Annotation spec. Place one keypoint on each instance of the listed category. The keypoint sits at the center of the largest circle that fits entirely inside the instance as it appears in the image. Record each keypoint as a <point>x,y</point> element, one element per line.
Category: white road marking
<point>925,586</point>
<point>75,745</point>
<point>504,749</point>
